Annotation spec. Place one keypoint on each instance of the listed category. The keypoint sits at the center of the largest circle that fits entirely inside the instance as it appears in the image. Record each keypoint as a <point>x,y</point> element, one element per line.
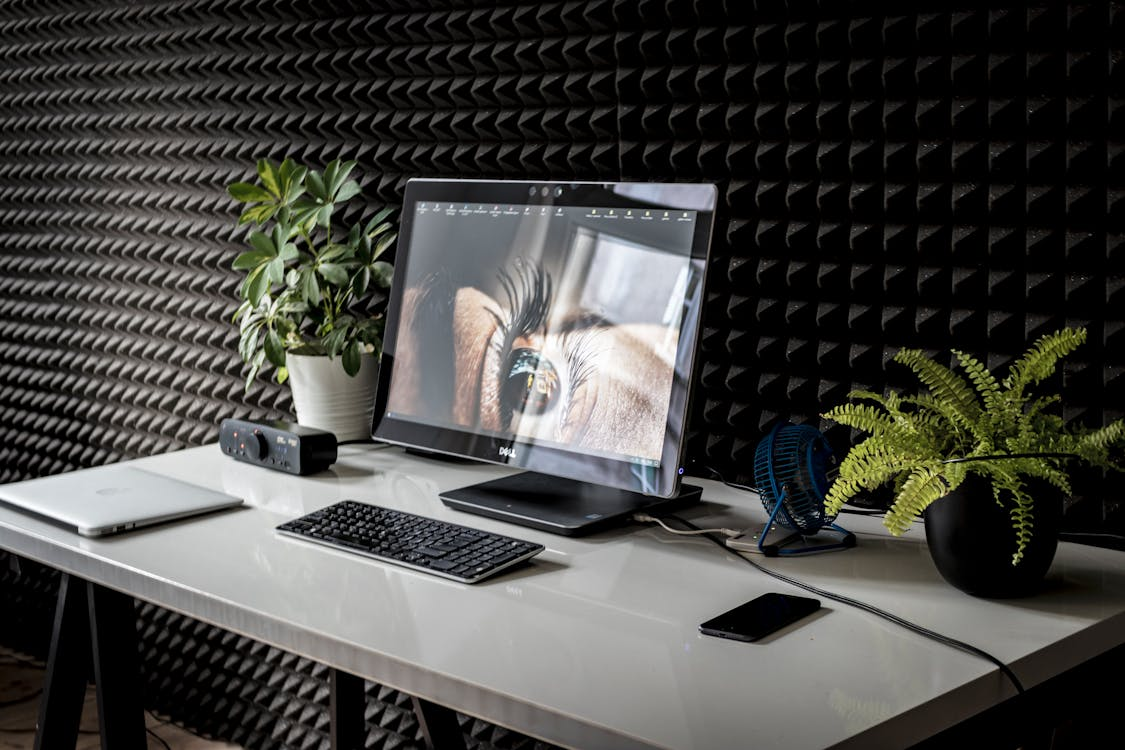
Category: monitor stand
<point>560,506</point>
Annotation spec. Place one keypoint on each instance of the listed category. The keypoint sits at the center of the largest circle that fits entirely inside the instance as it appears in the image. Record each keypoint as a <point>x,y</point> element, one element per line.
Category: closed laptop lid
<point>112,499</point>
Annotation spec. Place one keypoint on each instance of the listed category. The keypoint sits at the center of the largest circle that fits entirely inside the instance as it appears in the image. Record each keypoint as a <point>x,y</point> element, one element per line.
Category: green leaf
<point>382,273</point>
<point>248,338</point>
<point>241,310</point>
<point>267,173</point>
<point>352,359</point>
<point>275,352</point>
<point>330,175</point>
<point>282,375</point>
<point>288,252</point>
<point>257,284</point>
<point>334,341</point>
<point>281,234</point>
<point>293,307</point>
<point>276,271</point>
<point>339,176</point>
<point>286,173</point>
<point>324,216</point>
<point>333,273</point>
<point>371,225</point>
<point>255,366</point>
<point>348,190</point>
<point>384,242</point>
<point>334,253</point>
<point>250,259</point>
<point>296,185</point>
<point>257,214</point>
<point>263,244</point>
<point>360,281</point>
<point>244,192</point>
<point>315,184</point>
<point>363,249</point>
<point>373,233</point>
<point>311,288</point>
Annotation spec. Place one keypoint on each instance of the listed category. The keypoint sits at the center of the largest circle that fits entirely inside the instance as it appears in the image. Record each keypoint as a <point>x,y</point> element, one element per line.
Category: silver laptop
<point>111,499</point>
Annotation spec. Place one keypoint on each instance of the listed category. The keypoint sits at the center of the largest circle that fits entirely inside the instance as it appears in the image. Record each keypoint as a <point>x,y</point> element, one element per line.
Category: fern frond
<point>870,464</point>
<point>944,384</point>
<point>941,422</point>
<point>1040,360</point>
<point>1022,514</point>
<point>1105,437</point>
<point>1094,446</point>
<point>984,381</point>
<point>861,417</point>
<point>924,485</point>
<point>878,398</point>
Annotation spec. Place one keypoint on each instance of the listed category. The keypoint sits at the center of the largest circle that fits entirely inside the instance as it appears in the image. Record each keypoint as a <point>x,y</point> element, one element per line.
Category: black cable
<point>159,739</point>
<point>943,639</point>
<point>863,511</point>
<point>1001,456</point>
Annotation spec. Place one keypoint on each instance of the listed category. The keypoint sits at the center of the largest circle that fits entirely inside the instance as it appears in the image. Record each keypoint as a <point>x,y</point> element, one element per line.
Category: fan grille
<point>791,466</point>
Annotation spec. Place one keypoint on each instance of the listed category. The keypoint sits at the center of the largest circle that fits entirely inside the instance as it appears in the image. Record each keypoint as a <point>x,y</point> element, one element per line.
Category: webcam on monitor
<point>551,327</point>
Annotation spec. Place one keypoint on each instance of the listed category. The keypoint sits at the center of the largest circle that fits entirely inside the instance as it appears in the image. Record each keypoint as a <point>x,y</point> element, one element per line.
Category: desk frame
<point>97,627</point>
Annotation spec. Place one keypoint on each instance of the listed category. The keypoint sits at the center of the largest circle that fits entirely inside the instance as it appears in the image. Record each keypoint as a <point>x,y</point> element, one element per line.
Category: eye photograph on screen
<point>548,326</point>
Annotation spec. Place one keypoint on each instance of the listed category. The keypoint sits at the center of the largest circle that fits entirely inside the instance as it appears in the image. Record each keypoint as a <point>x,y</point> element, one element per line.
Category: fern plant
<point>970,423</point>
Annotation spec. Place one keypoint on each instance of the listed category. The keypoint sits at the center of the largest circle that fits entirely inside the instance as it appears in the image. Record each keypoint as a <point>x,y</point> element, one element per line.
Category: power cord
<point>708,534</point>
<point>646,518</point>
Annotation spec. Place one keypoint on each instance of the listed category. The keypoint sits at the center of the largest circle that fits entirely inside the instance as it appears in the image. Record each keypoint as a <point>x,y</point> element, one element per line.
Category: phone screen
<point>759,617</point>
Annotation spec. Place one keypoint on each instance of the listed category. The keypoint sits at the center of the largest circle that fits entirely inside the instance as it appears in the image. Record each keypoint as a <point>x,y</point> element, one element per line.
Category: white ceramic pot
<point>326,397</point>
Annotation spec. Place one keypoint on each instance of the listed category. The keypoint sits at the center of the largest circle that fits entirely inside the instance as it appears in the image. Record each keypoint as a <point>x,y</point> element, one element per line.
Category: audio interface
<point>284,446</point>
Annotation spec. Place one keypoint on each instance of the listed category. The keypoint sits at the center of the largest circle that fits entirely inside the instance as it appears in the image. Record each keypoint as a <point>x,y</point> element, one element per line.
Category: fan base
<point>779,541</point>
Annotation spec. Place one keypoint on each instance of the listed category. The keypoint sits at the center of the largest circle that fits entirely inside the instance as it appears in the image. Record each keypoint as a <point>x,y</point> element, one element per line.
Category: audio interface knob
<point>256,446</point>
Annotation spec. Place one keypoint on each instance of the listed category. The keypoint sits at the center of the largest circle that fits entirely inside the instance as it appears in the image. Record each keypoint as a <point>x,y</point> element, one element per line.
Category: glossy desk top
<point>596,643</point>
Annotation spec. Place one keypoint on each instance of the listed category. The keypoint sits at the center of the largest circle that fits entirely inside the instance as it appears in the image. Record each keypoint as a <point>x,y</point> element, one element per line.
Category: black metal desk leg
<point>439,725</point>
<point>68,665</point>
<point>117,672</point>
<point>347,704</point>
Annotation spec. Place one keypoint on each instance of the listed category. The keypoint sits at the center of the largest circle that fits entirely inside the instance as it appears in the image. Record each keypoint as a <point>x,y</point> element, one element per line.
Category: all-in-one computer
<point>551,327</point>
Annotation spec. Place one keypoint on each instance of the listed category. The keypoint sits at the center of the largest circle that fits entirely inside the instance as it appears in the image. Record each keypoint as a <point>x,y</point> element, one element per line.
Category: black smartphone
<point>759,617</point>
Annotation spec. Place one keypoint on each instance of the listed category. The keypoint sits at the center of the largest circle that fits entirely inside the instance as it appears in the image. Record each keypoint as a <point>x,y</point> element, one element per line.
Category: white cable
<point>646,518</point>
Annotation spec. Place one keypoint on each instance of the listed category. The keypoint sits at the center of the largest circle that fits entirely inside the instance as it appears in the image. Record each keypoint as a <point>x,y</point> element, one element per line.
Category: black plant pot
<point>972,541</point>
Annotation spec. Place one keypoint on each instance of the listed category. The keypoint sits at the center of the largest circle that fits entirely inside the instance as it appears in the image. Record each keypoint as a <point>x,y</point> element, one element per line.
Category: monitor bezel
<point>662,481</point>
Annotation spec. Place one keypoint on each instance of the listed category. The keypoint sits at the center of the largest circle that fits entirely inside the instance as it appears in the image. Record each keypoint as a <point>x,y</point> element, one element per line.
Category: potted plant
<point>308,289</point>
<point>983,446</point>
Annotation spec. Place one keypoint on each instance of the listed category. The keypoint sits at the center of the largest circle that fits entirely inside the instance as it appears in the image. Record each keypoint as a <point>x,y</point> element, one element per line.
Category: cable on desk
<point>646,518</point>
<point>914,627</point>
<point>159,739</point>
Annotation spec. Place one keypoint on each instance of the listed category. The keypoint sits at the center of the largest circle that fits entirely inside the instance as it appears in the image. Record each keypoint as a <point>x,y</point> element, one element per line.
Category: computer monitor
<point>549,326</point>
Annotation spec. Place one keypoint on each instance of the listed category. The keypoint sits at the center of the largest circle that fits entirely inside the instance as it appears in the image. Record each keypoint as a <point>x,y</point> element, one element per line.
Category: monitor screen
<point>548,326</point>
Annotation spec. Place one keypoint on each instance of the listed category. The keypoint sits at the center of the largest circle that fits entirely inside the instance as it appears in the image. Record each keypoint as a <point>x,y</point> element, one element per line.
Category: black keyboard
<point>445,549</point>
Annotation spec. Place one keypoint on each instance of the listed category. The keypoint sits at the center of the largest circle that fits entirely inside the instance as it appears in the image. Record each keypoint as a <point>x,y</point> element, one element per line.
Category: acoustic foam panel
<point>920,176</point>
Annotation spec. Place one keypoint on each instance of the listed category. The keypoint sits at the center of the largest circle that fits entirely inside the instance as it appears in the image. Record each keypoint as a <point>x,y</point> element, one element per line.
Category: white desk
<point>595,644</point>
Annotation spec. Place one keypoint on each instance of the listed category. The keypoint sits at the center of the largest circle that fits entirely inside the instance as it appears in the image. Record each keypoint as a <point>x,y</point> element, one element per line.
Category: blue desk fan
<point>792,465</point>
